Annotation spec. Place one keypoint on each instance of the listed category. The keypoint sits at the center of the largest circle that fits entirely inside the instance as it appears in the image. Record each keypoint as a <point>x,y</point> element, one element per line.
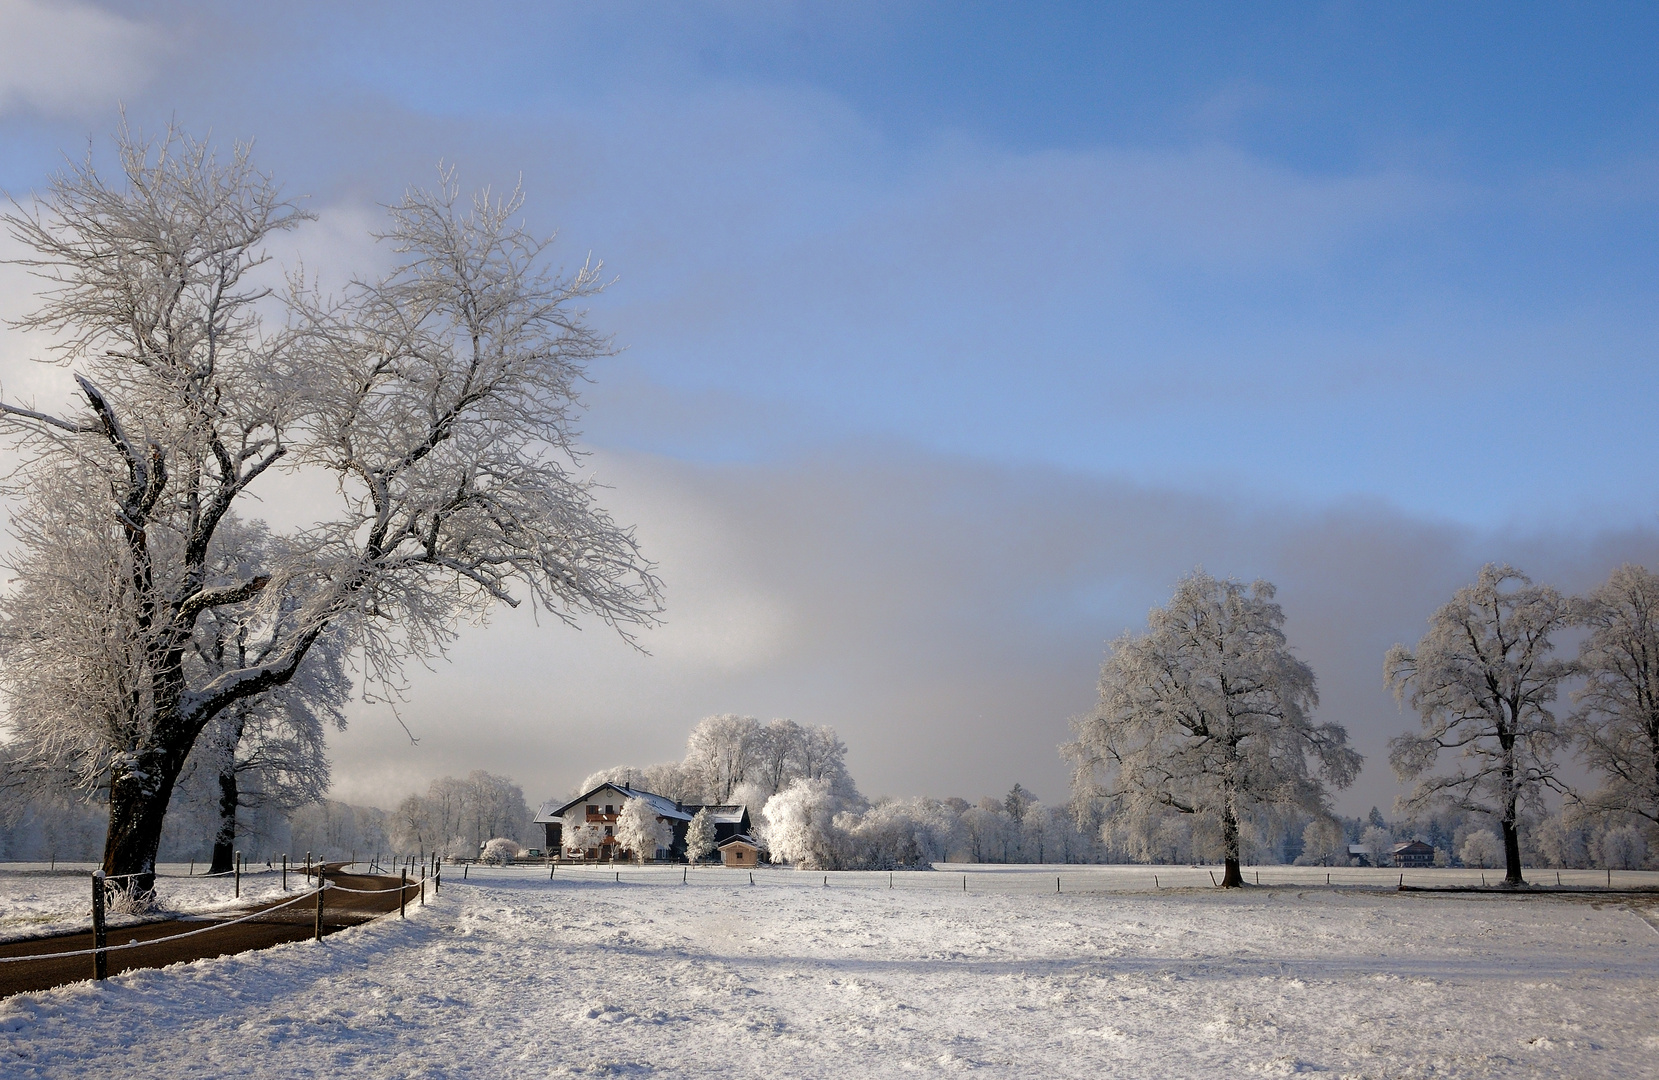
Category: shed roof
<point>739,838</point>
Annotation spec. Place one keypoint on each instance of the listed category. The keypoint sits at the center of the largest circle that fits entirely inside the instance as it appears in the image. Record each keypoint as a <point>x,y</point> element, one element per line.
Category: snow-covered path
<point>517,976</point>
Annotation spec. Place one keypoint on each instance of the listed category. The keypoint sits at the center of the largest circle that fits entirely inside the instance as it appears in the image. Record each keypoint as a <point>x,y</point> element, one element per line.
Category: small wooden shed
<point>739,850</point>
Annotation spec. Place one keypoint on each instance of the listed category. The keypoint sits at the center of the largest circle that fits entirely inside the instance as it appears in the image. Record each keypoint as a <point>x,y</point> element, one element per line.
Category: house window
<point>593,810</point>
<point>607,830</point>
<point>609,809</point>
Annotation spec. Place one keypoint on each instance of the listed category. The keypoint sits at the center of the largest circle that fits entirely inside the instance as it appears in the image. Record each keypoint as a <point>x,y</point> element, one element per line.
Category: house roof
<point>740,838</point>
<point>1413,846</point>
<point>727,815</point>
<point>662,804</point>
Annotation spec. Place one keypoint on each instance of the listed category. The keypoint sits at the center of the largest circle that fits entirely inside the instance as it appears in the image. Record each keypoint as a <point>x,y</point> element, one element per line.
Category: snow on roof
<point>739,838</point>
<point>662,804</point>
<point>727,815</point>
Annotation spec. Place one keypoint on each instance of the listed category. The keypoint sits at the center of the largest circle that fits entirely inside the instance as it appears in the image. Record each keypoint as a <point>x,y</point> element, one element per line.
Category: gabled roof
<point>739,838</point>
<point>1412,846</point>
<point>730,814</point>
<point>664,806</point>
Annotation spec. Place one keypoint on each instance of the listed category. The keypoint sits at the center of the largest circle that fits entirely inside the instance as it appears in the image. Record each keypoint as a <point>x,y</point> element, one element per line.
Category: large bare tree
<point>1208,714</point>
<point>435,405</point>
<point>1616,723</point>
<point>1482,680</point>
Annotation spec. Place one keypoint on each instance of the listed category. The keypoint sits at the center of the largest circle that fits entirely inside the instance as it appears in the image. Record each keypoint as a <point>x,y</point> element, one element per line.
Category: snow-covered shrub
<point>641,831</point>
<point>1481,849</point>
<point>800,826</point>
<point>699,836</point>
<point>1623,848</point>
<point>500,850</point>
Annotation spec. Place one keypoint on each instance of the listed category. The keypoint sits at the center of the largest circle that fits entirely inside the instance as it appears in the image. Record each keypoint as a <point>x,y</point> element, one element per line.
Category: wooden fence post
<point>321,885</point>
<point>423,884</point>
<point>285,873</point>
<point>100,959</point>
<point>238,869</point>
<point>403,890</point>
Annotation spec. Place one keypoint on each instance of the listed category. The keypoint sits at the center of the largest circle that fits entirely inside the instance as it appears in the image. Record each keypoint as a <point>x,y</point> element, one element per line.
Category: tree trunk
<point>1232,878</point>
<point>138,797</point>
<point>1512,855</point>
<point>224,841</point>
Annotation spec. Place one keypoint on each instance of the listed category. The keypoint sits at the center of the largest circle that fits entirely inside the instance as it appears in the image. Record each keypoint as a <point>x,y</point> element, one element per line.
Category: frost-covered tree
<point>641,831</point>
<point>436,404</point>
<point>672,779</point>
<point>1324,843</point>
<point>1016,801</point>
<point>1616,723</point>
<point>1481,849</point>
<point>1564,839</point>
<point>699,836</point>
<point>1378,844</point>
<point>265,752</point>
<point>1209,715</point>
<point>578,834</point>
<point>723,750</point>
<point>900,834</point>
<point>1622,847</point>
<point>412,827</point>
<point>335,830</point>
<point>800,826</point>
<point>1482,680</point>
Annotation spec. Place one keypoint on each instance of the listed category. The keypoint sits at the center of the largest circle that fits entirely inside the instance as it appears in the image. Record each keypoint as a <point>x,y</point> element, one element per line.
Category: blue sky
<point>1354,296</point>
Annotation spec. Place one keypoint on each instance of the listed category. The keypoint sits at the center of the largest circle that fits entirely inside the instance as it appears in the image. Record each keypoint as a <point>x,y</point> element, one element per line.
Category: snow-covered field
<point>36,901</point>
<point>513,975</point>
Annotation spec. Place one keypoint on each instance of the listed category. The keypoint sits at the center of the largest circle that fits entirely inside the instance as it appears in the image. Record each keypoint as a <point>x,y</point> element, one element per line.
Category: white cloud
<point>68,58</point>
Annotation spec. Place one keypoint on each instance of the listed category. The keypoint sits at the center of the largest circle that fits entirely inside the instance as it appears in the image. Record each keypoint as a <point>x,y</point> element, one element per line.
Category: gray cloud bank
<point>945,615</point>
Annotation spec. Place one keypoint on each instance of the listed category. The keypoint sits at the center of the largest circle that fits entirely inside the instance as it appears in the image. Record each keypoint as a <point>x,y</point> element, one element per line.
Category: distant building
<point>739,850</point>
<point>603,806</point>
<point>1415,854</point>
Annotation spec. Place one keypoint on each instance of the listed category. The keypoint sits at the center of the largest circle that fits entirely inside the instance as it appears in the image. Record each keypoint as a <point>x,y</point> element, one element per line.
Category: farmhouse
<point>1414,854</point>
<point>597,812</point>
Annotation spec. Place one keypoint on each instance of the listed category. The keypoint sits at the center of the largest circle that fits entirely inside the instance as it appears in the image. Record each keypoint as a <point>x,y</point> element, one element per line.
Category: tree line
<point>1204,732</point>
